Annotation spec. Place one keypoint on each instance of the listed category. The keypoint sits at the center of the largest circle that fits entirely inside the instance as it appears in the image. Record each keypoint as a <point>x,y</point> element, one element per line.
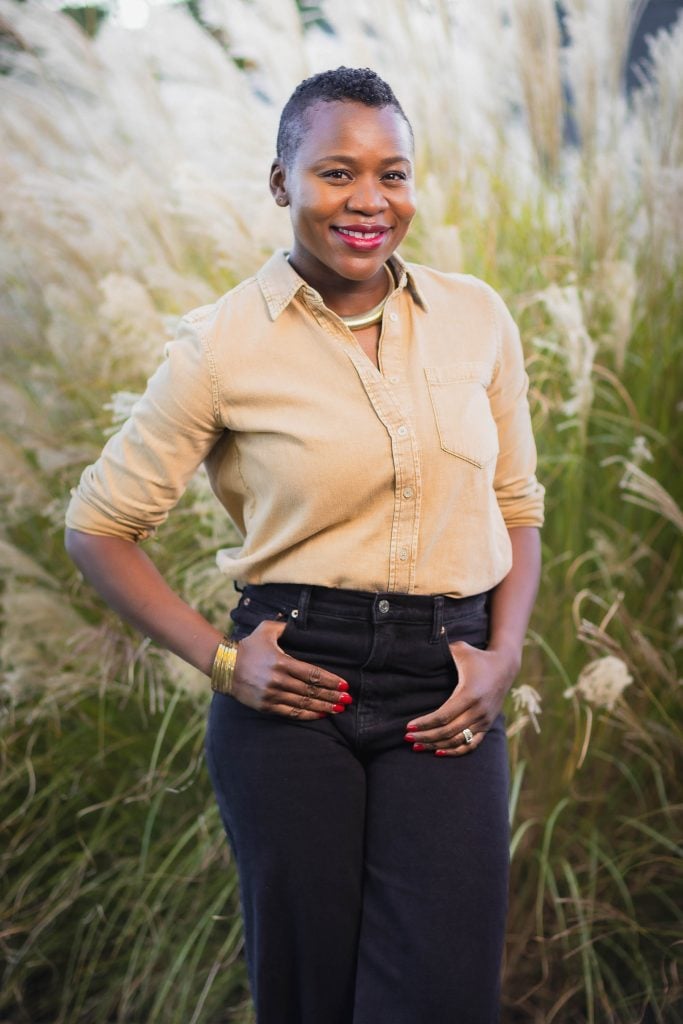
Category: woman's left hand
<point>484,678</point>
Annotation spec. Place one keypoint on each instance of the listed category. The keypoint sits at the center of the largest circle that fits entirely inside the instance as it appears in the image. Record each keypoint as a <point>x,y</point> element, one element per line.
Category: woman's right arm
<point>266,678</point>
<point>131,584</point>
<point>128,492</point>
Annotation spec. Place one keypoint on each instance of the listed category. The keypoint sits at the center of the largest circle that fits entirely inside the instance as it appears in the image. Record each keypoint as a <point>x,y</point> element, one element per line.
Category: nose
<point>367,197</point>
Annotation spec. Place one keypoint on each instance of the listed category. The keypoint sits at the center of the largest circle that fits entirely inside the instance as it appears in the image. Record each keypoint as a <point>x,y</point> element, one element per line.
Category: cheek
<point>407,211</point>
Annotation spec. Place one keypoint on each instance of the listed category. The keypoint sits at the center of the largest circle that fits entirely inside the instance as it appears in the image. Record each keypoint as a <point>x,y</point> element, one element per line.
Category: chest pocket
<point>462,411</point>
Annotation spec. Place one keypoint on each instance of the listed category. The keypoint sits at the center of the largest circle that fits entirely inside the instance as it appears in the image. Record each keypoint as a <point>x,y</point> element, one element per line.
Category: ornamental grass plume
<point>538,49</point>
<point>576,347</point>
<point>642,489</point>
<point>527,704</point>
<point>602,682</point>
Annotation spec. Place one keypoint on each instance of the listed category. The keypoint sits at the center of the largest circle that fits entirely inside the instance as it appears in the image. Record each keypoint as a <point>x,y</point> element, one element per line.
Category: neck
<point>344,296</point>
<point>372,316</point>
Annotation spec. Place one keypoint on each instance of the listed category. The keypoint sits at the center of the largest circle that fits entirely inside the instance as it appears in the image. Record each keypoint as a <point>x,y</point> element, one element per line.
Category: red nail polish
<point>440,753</point>
<point>343,685</point>
<point>418,747</point>
<point>338,707</point>
<point>411,725</point>
<point>409,737</point>
<point>346,698</point>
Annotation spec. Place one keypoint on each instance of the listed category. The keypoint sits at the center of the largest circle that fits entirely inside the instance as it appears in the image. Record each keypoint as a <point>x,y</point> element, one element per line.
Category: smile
<point>360,234</point>
<point>362,238</point>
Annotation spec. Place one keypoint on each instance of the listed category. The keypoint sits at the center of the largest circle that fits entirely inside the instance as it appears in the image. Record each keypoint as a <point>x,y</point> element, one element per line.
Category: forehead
<point>347,127</point>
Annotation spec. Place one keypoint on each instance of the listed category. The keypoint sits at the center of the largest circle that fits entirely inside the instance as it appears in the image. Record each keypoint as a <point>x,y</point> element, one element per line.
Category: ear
<point>278,187</point>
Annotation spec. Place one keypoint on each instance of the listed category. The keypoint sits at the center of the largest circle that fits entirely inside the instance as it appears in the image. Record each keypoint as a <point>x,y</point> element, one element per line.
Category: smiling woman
<point>349,184</point>
<point>364,423</point>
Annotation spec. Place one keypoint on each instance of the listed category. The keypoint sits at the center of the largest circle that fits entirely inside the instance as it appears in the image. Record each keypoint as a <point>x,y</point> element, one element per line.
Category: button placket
<point>405,453</point>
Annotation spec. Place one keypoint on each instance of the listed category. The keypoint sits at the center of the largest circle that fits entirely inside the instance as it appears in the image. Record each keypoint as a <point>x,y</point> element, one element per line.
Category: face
<point>350,191</point>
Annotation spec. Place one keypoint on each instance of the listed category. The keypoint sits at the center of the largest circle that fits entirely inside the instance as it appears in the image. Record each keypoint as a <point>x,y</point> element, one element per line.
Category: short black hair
<point>357,85</point>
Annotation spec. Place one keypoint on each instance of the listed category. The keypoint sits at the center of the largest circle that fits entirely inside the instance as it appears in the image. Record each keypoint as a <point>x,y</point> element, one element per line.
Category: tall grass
<point>133,187</point>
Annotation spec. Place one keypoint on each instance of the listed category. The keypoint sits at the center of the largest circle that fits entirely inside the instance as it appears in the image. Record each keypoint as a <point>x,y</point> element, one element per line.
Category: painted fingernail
<point>418,747</point>
<point>346,698</point>
<point>343,685</point>
<point>409,737</point>
<point>338,707</point>
<point>411,725</point>
<point>440,753</point>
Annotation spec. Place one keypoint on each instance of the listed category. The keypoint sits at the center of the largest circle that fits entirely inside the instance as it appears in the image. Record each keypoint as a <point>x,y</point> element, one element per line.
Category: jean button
<point>383,606</point>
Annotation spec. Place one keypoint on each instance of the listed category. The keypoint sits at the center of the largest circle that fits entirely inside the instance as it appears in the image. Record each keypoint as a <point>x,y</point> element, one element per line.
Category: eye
<point>336,175</point>
<point>396,176</point>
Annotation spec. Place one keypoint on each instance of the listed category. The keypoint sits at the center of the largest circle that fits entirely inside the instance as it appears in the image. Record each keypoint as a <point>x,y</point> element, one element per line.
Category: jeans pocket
<point>472,629</point>
<point>250,613</point>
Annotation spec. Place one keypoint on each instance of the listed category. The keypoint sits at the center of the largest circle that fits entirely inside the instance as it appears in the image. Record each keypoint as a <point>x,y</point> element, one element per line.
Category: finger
<point>291,689</point>
<point>448,736</point>
<point>301,711</point>
<point>299,714</point>
<point>445,721</point>
<point>279,698</point>
<point>463,748</point>
<point>454,709</point>
<point>303,673</point>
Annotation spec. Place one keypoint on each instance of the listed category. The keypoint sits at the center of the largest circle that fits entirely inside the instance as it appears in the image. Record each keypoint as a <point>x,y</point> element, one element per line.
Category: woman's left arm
<point>484,677</point>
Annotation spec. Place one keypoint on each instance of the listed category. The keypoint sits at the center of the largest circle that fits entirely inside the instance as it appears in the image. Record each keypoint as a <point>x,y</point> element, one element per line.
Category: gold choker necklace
<point>374,315</point>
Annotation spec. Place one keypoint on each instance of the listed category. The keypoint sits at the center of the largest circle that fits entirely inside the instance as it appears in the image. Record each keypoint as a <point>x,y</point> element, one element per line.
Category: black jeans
<point>373,879</point>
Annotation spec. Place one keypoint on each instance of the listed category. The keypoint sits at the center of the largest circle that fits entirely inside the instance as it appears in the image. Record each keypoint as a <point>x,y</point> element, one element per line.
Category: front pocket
<point>462,410</point>
<point>250,613</point>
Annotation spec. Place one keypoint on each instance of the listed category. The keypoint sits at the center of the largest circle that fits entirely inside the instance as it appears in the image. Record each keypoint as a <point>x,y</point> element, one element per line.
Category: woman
<point>365,424</point>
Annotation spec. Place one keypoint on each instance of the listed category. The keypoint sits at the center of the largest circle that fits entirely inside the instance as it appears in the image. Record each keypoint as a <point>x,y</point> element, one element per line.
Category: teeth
<point>359,234</point>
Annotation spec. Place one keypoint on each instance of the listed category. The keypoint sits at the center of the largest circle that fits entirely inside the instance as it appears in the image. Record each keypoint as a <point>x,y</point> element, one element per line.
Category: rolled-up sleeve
<point>145,467</point>
<point>519,494</point>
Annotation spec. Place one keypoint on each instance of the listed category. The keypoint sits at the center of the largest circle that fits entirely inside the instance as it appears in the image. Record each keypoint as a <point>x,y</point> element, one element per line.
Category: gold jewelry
<point>468,734</point>
<point>374,315</point>
<point>224,666</point>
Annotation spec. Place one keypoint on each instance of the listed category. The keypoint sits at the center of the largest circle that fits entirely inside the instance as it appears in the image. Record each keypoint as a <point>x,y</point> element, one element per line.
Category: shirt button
<point>383,607</point>
<point>403,554</point>
<point>402,431</point>
<point>393,316</point>
<point>408,492</point>
<point>394,380</point>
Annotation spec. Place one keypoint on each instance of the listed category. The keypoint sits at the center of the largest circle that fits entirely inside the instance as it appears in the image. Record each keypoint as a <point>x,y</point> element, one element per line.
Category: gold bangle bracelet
<point>223,668</point>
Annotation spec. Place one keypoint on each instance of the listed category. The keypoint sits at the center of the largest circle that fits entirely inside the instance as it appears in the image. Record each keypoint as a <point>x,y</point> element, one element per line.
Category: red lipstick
<point>364,237</point>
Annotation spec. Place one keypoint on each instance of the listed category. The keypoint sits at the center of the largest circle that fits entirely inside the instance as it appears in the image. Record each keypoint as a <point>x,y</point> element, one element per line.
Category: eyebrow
<point>344,158</point>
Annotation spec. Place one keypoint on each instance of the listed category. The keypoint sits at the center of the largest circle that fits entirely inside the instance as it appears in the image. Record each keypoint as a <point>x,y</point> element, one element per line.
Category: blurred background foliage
<point>133,187</point>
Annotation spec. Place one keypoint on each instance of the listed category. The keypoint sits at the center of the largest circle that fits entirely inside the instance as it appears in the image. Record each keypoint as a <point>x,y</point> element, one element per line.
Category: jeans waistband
<point>300,599</point>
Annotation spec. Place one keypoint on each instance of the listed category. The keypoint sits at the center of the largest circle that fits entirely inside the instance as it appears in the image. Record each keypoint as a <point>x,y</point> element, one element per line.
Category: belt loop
<point>438,619</point>
<point>302,606</point>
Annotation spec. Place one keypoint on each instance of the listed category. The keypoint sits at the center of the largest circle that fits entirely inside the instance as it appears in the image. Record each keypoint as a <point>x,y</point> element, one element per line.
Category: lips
<point>362,236</point>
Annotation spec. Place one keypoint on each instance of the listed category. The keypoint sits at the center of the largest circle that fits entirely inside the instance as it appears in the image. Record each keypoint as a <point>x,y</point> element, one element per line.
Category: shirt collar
<point>280,283</point>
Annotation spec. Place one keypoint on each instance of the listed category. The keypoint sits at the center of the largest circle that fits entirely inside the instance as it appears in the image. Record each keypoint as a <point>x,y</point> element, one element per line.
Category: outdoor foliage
<point>133,182</point>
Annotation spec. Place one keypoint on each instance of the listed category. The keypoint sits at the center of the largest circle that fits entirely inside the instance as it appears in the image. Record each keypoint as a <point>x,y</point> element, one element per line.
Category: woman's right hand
<point>268,679</point>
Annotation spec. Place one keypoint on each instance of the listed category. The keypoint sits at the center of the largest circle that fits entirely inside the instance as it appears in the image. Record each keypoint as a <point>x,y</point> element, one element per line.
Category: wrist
<point>223,668</point>
<point>509,652</point>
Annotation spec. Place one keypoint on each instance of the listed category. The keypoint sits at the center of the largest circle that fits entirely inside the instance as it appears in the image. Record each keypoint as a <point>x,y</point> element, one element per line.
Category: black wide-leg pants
<point>373,879</point>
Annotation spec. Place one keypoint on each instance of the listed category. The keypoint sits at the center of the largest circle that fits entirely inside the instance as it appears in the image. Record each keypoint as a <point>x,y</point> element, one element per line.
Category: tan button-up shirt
<point>336,473</point>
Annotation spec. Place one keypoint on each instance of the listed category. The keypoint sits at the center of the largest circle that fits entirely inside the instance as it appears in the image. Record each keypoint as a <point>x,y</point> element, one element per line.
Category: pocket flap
<point>461,372</point>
